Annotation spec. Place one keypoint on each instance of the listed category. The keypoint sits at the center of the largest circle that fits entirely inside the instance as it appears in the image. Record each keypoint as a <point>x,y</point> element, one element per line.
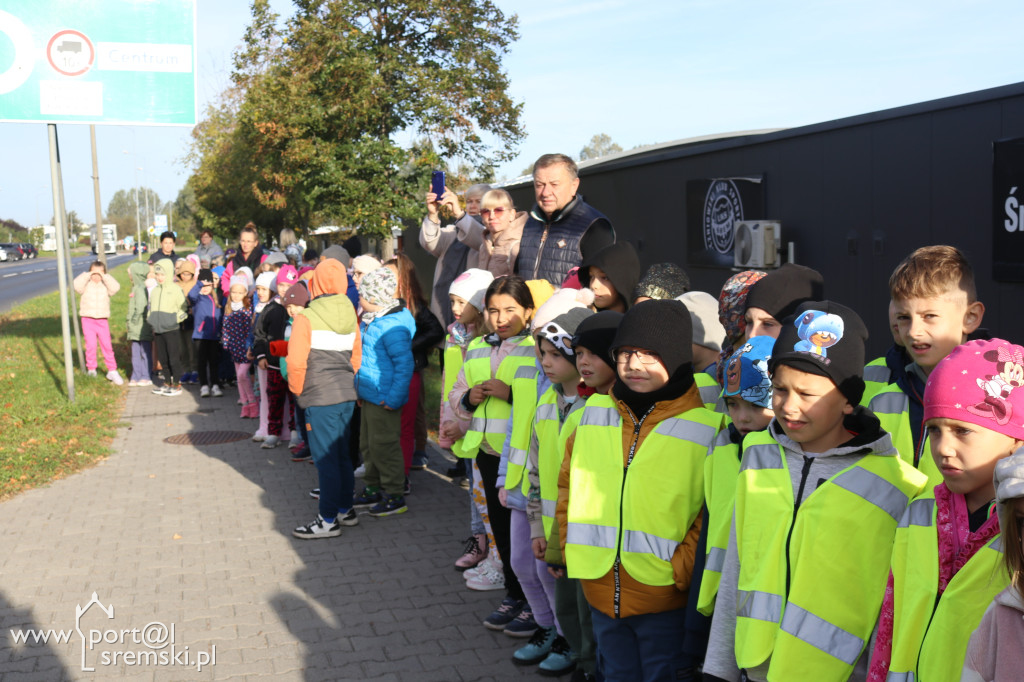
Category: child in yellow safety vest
<point>466,298</point>
<point>996,649</point>
<point>936,309</point>
<point>948,552</point>
<point>636,491</point>
<point>817,499</point>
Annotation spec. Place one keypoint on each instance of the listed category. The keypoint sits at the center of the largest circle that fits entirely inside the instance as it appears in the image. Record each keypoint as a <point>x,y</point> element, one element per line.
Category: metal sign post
<point>62,247</point>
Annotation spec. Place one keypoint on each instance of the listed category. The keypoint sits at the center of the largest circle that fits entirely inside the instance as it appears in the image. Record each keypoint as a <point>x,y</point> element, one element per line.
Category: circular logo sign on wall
<point>722,208</point>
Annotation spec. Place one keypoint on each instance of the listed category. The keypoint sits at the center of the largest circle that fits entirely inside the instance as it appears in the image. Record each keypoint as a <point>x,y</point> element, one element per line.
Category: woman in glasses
<point>504,225</point>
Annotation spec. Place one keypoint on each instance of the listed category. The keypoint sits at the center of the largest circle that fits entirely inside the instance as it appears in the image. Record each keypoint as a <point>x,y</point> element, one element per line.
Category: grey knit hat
<point>662,281</point>
<point>1009,482</point>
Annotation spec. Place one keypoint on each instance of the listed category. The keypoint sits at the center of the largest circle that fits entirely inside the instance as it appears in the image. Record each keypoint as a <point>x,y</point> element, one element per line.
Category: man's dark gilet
<point>561,250</point>
<point>453,264</point>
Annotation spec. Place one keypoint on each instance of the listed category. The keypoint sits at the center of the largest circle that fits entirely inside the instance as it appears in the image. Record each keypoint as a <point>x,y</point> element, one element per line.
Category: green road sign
<point>102,61</point>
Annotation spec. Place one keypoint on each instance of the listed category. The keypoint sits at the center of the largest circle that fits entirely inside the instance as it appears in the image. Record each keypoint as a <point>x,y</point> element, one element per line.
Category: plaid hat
<point>296,295</point>
<point>378,287</point>
<point>780,291</point>
<point>980,382</point>
<point>824,338</point>
<point>559,331</point>
<point>661,281</point>
<point>746,373</point>
<point>596,333</point>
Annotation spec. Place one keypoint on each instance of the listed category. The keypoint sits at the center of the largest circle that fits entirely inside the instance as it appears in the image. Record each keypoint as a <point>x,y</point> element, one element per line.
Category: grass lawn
<point>43,436</point>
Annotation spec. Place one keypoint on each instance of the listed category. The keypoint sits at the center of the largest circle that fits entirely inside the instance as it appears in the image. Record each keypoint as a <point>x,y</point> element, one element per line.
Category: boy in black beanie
<point>612,274</point>
<point>776,296</point>
<point>817,501</point>
<point>635,495</point>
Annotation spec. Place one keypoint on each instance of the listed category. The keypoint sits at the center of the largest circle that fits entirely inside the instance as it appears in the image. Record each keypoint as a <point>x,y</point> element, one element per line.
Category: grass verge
<point>44,437</point>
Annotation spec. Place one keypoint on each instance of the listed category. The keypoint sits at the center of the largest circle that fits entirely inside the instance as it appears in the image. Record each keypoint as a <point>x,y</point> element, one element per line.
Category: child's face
<point>932,327</point>
<point>293,309</point>
<point>760,323</point>
<point>506,317</point>
<point>557,369</point>
<point>809,408</point>
<point>96,273</point>
<point>747,416</point>
<point>467,314</point>
<point>357,277</point>
<point>458,306</point>
<point>283,287</point>
<point>966,456</point>
<point>158,275</point>
<point>605,296</point>
<point>237,294</point>
<point>367,306</point>
<point>643,375</point>
<point>263,293</point>
<point>167,245</point>
<point>185,276</point>
<point>595,372</point>
<point>216,280</point>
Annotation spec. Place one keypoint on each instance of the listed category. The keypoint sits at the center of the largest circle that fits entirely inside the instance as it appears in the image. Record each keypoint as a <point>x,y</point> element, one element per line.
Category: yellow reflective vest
<point>710,392</point>
<point>877,376</point>
<point>929,639</point>
<point>835,568</point>
<point>552,435</point>
<point>490,418</point>
<point>892,407</point>
<point>453,359</point>
<point>637,514</point>
<point>721,469</point>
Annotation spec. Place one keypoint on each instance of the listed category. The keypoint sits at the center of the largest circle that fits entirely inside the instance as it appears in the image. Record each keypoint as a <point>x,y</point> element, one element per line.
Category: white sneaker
<point>91,373</point>
<point>270,442</point>
<point>215,391</point>
<point>204,391</point>
<point>488,563</point>
<point>259,437</point>
<point>360,471</point>
<point>491,578</point>
<point>318,529</point>
<point>133,383</point>
<point>145,382</point>
<point>113,376</point>
<point>296,440</point>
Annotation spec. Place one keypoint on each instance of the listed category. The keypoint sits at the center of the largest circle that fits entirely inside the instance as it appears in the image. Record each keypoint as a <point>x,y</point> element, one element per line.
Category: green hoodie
<point>167,304</point>
<point>137,327</point>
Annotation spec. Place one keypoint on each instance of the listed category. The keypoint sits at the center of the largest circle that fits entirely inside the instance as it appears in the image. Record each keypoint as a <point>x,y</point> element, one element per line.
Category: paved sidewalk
<point>198,538</point>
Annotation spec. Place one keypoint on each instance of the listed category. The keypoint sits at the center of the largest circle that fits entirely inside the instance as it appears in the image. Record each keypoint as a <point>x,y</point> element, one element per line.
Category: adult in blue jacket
<point>382,384</point>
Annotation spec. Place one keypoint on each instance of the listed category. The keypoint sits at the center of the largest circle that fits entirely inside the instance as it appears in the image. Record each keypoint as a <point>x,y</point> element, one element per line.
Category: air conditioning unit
<point>757,244</point>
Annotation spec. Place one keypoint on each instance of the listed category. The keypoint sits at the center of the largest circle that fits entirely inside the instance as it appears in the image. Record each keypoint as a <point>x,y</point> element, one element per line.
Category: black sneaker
<point>368,498</point>
<point>504,614</point>
<point>457,471</point>
<point>389,506</point>
<point>317,529</point>
<point>303,455</point>
<point>407,489</point>
<point>349,519</point>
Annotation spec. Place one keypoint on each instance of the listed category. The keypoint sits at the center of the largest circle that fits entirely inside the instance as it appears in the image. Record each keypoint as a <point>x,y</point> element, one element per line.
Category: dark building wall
<point>855,196</point>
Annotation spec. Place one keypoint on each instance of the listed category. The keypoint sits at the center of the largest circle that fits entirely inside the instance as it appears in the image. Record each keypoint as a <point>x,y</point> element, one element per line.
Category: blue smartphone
<point>437,183</point>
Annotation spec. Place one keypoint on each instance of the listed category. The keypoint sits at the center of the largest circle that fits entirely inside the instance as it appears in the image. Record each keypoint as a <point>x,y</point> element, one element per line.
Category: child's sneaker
<point>504,614</point>
<point>114,377</point>
<point>215,391</point>
<point>360,471</point>
<point>419,460</point>
<point>368,498</point>
<point>296,440</point>
<point>317,529</point>
<point>350,518</point>
<point>270,442</point>
<point>183,379</point>
<point>132,383</point>
<point>204,391</point>
<point>172,390</point>
<point>159,390</point>
<point>523,625</point>
<point>389,506</point>
<point>303,455</point>
<point>193,378</point>
<point>474,552</point>
<point>559,661</point>
<point>407,488</point>
<point>482,566</point>
<point>145,382</point>
<point>315,493</point>
<point>457,471</point>
<point>91,373</point>
<point>487,578</point>
<point>537,649</point>
<point>259,437</point>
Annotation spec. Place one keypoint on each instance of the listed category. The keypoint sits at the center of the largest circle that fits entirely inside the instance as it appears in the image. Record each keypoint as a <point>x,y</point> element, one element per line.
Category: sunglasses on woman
<point>498,211</point>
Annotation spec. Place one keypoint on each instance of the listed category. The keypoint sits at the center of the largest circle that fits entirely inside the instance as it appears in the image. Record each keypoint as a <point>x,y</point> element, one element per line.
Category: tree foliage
<point>121,209</point>
<point>599,145</point>
<point>340,113</point>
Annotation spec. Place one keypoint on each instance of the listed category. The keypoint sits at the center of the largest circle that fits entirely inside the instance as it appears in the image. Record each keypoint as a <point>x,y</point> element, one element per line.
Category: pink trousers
<point>93,329</point>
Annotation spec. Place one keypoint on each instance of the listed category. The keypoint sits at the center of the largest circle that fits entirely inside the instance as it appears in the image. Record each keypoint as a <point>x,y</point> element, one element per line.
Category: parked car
<point>14,251</point>
<point>3,255</point>
<point>30,250</point>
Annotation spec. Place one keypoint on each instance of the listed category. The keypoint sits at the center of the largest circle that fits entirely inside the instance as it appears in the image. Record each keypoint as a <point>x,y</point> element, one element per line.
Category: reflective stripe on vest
<point>639,514</point>
<point>522,429</point>
<point>814,631</point>
<point>930,635</point>
<point>491,417</point>
<point>878,374</point>
<point>721,468</point>
<point>552,435</point>
<point>892,407</point>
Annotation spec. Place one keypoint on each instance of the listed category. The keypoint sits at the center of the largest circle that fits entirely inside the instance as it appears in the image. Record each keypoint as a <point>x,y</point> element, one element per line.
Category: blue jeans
<point>645,647</point>
<point>327,431</point>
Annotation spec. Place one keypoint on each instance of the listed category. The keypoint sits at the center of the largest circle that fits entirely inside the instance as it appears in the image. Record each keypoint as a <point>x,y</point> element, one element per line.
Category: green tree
<point>599,145</point>
<point>323,104</point>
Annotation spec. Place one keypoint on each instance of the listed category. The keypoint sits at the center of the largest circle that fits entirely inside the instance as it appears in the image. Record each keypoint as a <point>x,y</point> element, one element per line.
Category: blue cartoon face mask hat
<point>746,372</point>
<point>828,339</point>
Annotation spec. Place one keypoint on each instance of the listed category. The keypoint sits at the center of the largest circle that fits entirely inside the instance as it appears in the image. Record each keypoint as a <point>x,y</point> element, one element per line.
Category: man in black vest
<point>562,228</point>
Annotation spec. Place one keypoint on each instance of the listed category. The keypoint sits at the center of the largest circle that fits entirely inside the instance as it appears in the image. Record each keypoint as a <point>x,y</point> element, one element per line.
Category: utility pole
<point>101,251</point>
<point>62,274</point>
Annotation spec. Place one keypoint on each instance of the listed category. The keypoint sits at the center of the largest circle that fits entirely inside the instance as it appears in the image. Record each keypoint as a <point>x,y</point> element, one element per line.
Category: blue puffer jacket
<point>387,364</point>
<point>207,314</point>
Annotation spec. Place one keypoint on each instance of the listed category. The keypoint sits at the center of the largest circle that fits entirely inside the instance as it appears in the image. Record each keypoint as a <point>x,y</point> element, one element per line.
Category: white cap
<point>471,286</point>
<point>267,279</point>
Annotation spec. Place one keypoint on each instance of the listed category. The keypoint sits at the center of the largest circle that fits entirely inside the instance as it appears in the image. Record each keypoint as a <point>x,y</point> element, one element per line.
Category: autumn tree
<point>344,109</point>
<point>599,145</point>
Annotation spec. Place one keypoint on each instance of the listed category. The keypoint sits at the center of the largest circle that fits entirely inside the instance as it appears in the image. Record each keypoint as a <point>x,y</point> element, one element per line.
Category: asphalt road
<point>26,279</point>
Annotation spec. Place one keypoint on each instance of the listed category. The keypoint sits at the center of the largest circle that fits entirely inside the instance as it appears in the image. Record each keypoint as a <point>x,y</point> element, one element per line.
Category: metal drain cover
<point>207,437</point>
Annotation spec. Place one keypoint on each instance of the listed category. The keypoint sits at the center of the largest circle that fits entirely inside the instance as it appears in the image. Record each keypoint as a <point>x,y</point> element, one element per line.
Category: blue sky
<point>640,72</point>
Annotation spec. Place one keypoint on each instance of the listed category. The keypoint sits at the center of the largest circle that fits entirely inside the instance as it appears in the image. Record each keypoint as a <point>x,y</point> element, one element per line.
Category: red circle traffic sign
<point>65,52</point>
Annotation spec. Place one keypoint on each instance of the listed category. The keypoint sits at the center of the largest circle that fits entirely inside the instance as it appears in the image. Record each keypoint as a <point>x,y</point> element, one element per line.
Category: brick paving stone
<point>200,536</point>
